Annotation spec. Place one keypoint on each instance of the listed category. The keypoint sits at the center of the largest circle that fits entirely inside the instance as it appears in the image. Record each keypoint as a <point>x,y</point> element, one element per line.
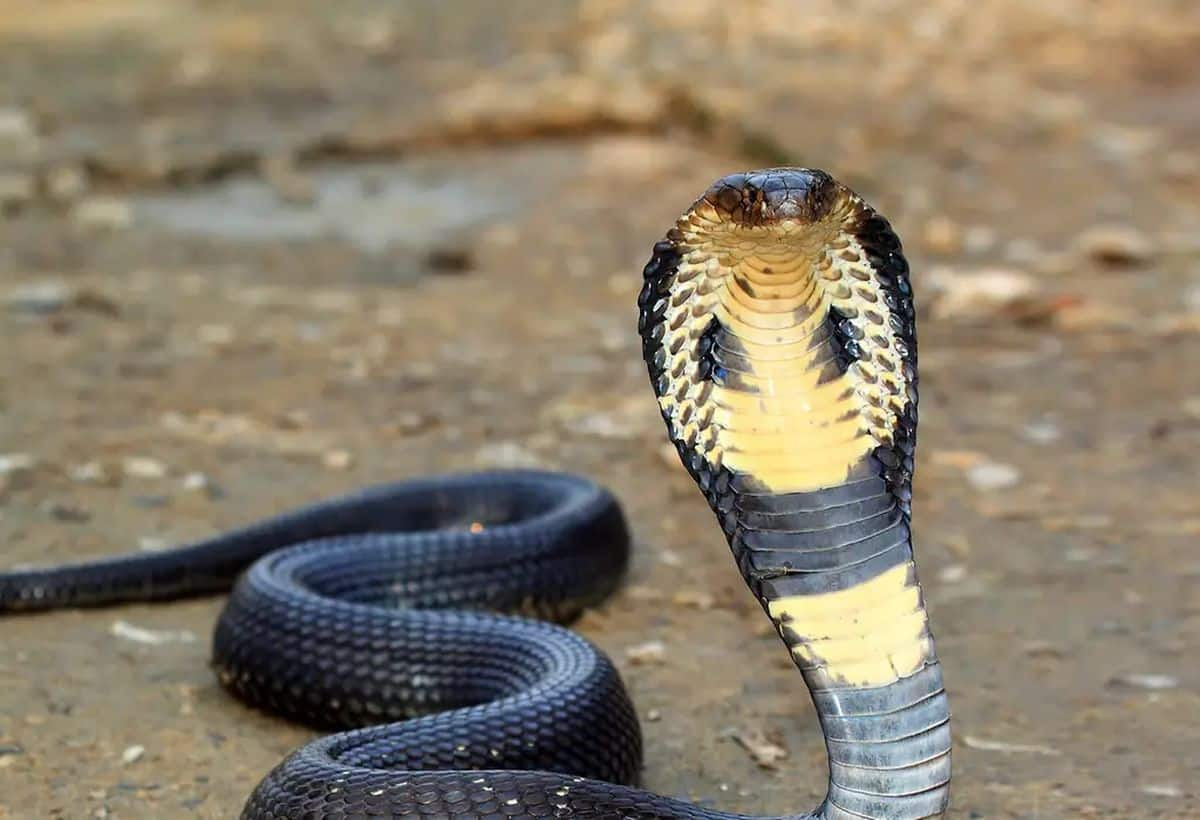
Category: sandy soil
<point>252,256</point>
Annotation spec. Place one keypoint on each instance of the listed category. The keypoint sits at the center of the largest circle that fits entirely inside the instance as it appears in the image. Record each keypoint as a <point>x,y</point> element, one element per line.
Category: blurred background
<point>253,254</point>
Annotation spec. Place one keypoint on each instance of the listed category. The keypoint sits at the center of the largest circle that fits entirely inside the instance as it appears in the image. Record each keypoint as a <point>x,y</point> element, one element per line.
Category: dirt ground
<point>256,254</point>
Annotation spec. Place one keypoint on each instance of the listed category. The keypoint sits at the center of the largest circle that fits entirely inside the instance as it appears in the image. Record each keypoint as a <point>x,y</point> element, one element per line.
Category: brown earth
<point>256,254</point>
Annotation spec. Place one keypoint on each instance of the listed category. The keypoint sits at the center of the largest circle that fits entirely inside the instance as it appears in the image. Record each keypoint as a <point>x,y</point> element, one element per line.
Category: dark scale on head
<point>773,194</point>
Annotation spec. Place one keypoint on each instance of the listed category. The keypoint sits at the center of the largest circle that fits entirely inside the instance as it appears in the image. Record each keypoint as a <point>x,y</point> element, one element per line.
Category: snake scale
<point>777,325</point>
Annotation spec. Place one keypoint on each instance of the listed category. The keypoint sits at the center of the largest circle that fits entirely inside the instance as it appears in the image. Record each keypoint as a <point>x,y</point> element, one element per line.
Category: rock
<point>337,460</point>
<point>1041,432</point>
<point>693,598</point>
<point>983,744</point>
<point>66,512</point>
<point>1161,790</point>
<point>198,483</point>
<point>40,298</point>
<point>979,294</point>
<point>150,637</point>
<point>16,189</point>
<point>103,213</point>
<point>763,751</point>
<point>979,239</point>
<point>507,454</point>
<point>1115,245</point>
<point>13,463</point>
<point>953,574</point>
<point>132,754</point>
<point>993,475</point>
<point>942,236</point>
<point>66,183</point>
<point>143,467</point>
<point>92,472</point>
<point>450,259</point>
<point>650,652</point>
<point>1144,680</point>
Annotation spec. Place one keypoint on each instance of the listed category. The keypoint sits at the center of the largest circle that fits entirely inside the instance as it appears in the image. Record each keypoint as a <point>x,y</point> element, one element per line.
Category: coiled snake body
<point>778,329</point>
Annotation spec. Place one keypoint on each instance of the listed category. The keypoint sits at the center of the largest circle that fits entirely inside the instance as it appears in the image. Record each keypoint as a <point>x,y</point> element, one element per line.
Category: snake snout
<point>773,196</point>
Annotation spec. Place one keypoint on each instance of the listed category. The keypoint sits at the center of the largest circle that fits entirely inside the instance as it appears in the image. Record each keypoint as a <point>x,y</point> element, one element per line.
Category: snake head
<point>774,197</point>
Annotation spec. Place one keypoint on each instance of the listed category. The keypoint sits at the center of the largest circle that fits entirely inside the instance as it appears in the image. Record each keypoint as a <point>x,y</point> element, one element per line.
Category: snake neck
<point>778,329</point>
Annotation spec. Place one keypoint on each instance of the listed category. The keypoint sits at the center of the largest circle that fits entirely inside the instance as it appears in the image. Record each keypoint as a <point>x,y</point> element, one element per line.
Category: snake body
<point>777,325</point>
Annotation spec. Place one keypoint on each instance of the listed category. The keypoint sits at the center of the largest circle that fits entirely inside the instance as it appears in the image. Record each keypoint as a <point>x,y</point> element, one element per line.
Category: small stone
<point>150,543</point>
<point>143,467</point>
<point>216,335</point>
<point>40,298</point>
<point>66,183</point>
<point>763,751</point>
<point>694,599</point>
<point>1041,432</point>
<point>1115,245</point>
<point>132,754</point>
<point>650,652</point>
<point>337,459</point>
<point>979,239</point>
<point>7,749</point>
<point>507,454</point>
<point>450,260</point>
<point>1043,649</point>
<point>993,475</point>
<point>1161,790</point>
<point>653,716</point>
<point>943,236</point>
<point>12,463</point>
<point>91,472</point>
<point>197,483</point>
<point>66,512</point>
<point>103,213</point>
<point>978,294</point>
<point>1145,680</point>
<point>953,574</point>
<point>16,189</point>
<point>150,637</point>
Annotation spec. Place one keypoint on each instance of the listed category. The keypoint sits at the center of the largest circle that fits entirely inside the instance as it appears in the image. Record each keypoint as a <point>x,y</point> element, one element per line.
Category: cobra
<point>777,325</point>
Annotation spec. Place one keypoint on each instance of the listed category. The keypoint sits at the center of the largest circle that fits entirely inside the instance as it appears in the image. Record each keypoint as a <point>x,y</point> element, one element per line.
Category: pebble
<point>977,294</point>
<point>1145,680</point>
<point>1161,790</point>
<point>40,298</point>
<point>979,239</point>
<point>993,475</point>
<point>1042,432</point>
<point>1115,245</point>
<point>103,213</point>
<point>693,598</point>
<point>12,463</point>
<point>66,512</point>
<point>66,183</point>
<point>953,574</point>
<point>650,652</point>
<point>942,236</point>
<point>198,483</point>
<point>763,751</point>
<point>150,637</point>
<point>16,189</point>
<point>509,454</point>
<point>983,744</point>
<point>132,754</point>
<point>143,467</point>
<point>337,459</point>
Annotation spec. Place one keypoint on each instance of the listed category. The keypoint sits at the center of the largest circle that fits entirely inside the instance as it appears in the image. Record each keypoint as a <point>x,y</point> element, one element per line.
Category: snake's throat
<point>778,329</point>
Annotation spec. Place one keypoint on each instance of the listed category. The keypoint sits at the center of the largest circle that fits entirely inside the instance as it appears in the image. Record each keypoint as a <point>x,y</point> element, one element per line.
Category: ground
<point>252,255</point>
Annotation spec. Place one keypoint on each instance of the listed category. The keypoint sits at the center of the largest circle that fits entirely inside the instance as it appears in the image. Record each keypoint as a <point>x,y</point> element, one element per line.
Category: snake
<point>423,622</point>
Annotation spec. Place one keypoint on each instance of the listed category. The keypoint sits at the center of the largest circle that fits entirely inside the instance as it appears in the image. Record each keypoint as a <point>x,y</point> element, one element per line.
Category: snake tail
<point>778,328</point>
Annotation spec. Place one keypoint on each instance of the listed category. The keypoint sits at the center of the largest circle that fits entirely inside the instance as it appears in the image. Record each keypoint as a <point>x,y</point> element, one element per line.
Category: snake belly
<point>778,328</point>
